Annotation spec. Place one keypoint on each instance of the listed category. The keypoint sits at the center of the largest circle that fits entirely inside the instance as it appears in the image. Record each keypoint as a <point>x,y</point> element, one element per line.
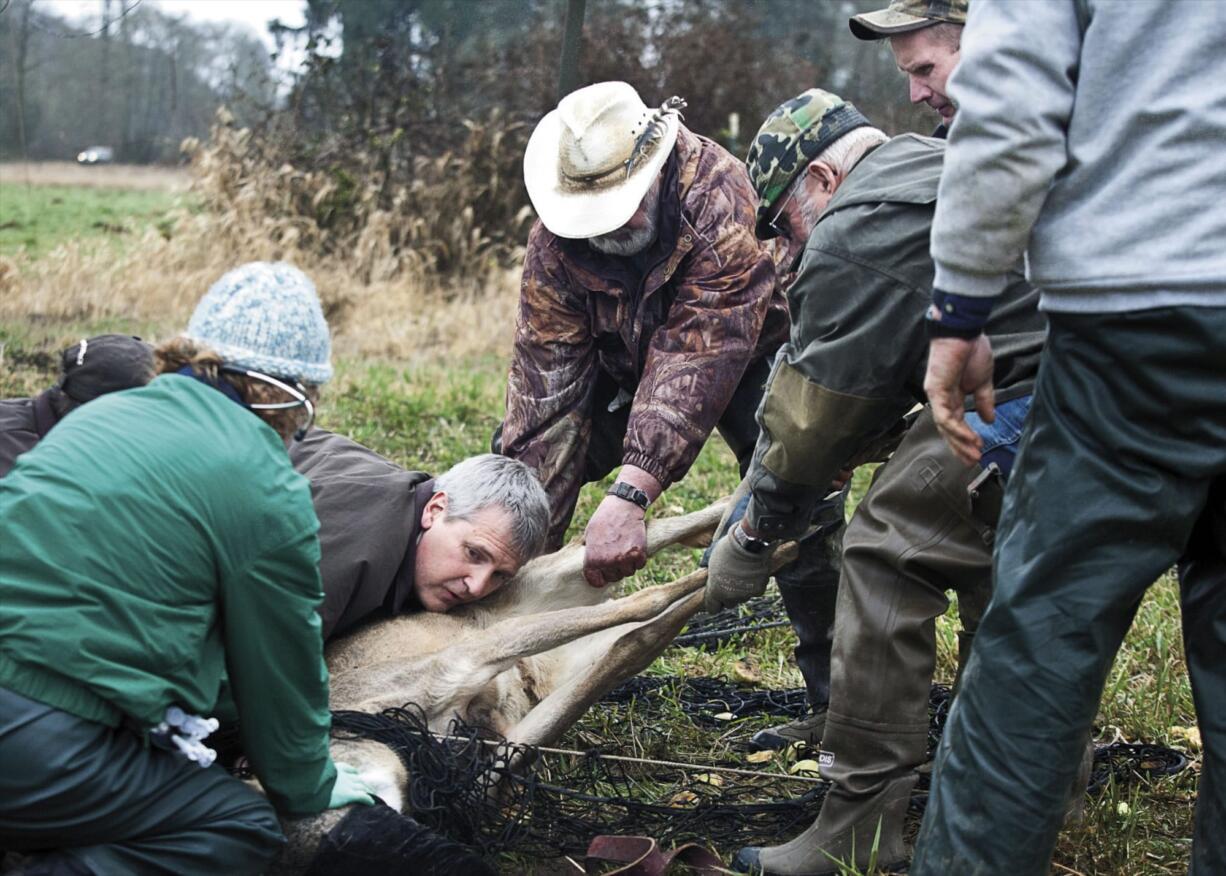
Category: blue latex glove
<point>350,788</point>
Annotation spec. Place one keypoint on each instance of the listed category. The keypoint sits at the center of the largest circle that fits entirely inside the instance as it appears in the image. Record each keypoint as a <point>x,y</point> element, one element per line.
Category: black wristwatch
<point>749,542</point>
<point>623,490</point>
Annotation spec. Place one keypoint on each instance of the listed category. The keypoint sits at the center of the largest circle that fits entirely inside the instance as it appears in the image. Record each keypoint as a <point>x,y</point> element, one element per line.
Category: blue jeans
<point>1001,436</point>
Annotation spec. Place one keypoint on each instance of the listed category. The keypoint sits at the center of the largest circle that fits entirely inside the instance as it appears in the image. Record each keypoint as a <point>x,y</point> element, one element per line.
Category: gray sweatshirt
<point>1092,134</point>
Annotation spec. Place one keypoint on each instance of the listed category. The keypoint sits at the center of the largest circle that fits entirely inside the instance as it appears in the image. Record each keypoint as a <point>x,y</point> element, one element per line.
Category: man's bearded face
<point>638,233</point>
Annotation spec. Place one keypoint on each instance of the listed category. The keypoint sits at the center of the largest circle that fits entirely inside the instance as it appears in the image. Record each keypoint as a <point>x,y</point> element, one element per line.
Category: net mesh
<point>464,787</point>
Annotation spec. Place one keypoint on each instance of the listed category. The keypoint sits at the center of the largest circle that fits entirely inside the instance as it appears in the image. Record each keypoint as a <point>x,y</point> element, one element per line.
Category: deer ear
<point>435,510</point>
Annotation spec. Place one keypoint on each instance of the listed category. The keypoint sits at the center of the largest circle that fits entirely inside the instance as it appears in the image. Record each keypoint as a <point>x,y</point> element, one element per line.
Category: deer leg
<point>466,667</point>
<point>629,655</point>
<point>665,531</point>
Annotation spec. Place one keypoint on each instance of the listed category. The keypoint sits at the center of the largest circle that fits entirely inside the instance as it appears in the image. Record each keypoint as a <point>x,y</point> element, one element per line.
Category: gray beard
<point>625,243</point>
<point>810,215</point>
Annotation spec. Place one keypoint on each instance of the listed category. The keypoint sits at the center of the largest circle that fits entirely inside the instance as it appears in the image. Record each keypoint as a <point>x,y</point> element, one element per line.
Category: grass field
<point>429,409</point>
<point>37,217</point>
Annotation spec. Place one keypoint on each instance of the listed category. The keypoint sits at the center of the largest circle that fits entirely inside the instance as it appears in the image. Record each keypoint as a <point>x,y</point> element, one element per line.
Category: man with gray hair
<point>855,208</point>
<point>394,541</point>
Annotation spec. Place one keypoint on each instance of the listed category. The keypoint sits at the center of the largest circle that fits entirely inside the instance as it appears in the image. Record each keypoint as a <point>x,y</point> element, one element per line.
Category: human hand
<point>956,368</point>
<point>350,787</point>
<point>615,542</point>
<point>841,478</point>
<point>735,574</point>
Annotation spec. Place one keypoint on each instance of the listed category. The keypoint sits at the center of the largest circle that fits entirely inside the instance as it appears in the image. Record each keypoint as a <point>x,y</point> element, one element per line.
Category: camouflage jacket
<point>675,328</point>
<point>858,349</point>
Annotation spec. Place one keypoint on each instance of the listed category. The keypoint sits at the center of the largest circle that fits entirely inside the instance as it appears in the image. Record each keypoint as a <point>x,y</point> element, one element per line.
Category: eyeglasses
<point>297,391</point>
<point>773,223</point>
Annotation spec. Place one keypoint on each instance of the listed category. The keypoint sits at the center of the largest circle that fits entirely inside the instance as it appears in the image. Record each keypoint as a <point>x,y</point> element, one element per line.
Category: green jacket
<point>858,349</point>
<point>156,541</point>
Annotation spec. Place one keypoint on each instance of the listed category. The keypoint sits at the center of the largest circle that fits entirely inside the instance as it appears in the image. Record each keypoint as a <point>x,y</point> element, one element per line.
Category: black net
<point>707,631</point>
<point>464,787</point>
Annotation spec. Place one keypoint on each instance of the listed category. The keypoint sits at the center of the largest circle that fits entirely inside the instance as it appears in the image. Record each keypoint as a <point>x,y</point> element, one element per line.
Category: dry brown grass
<point>378,272</point>
<point>108,176</point>
<point>158,282</point>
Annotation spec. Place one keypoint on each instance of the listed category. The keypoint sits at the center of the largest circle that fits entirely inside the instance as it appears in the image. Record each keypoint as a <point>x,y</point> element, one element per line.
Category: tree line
<point>138,81</point>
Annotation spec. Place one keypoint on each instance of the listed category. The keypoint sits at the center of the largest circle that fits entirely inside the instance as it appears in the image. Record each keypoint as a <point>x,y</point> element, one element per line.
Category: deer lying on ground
<point>526,662</point>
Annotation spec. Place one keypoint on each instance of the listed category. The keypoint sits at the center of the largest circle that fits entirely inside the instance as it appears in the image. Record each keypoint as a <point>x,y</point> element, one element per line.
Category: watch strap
<point>623,490</point>
<point>748,542</point>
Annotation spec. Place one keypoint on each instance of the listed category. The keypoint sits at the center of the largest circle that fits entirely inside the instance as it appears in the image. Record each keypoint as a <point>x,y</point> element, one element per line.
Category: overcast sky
<point>256,13</point>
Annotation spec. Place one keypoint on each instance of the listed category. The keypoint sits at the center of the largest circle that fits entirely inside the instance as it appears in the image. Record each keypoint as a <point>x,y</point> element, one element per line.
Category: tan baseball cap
<point>902,16</point>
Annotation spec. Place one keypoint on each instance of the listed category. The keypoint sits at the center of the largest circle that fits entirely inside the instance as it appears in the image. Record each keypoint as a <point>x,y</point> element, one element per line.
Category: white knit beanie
<point>266,316</point>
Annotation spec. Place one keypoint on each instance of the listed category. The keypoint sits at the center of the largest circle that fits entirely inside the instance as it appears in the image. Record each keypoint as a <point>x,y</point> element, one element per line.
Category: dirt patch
<point>102,176</point>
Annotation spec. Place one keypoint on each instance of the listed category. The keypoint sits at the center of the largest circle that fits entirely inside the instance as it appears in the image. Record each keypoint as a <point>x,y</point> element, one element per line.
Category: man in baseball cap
<point>648,316</point>
<point>860,206</point>
<point>90,368</point>
<point>926,39</point>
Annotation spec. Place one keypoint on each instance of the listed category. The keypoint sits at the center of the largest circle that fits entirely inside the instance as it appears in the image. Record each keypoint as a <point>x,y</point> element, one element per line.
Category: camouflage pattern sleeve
<point>552,374</point>
<point>696,359</point>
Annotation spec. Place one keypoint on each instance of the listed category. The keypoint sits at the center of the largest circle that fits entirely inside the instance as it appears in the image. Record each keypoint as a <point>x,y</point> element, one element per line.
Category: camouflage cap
<point>903,16</point>
<point>792,136</point>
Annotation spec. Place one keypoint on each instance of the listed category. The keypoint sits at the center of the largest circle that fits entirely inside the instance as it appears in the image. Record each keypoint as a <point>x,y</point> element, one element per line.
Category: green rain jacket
<point>858,349</point>
<point>157,540</point>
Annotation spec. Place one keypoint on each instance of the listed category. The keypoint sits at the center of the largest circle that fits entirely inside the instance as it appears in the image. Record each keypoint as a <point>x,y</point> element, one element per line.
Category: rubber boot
<point>810,608</point>
<point>864,832</point>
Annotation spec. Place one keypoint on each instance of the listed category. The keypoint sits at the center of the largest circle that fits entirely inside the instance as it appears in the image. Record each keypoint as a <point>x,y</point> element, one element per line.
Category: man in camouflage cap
<point>926,39</point>
<point>796,133</point>
<point>856,207</point>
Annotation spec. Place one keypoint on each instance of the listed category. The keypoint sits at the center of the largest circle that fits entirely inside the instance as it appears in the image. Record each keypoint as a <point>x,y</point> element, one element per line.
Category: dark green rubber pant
<point>1121,474</point>
<point>96,796</point>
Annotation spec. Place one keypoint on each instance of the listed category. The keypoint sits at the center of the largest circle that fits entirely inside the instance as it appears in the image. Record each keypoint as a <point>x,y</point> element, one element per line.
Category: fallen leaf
<point>683,798</point>
<point>804,766</point>
<point>745,671</point>
<point>1191,735</point>
<point>760,757</point>
<point>712,779</point>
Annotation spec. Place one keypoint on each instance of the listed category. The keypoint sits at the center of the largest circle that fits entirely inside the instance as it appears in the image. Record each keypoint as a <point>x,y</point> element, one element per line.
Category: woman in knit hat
<point>155,544</point>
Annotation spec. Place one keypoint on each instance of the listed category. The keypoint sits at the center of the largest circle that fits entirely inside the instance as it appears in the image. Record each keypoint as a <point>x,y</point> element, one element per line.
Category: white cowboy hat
<point>590,162</point>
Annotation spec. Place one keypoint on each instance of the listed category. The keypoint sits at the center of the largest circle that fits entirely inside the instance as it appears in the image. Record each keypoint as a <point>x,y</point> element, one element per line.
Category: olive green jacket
<point>858,348</point>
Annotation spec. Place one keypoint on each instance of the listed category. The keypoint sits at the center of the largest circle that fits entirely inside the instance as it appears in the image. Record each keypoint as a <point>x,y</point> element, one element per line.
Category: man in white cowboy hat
<point>649,313</point>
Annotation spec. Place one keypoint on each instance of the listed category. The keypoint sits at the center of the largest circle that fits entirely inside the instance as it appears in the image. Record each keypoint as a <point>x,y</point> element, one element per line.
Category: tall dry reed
<point>401,275</point>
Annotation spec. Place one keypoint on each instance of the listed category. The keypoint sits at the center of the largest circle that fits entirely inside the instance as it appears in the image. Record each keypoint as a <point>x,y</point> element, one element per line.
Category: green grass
<point>429,416</point>
<point>38,218</point>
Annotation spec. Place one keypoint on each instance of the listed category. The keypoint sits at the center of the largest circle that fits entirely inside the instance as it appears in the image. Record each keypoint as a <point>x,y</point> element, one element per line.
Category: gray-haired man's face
<point>460,561</point>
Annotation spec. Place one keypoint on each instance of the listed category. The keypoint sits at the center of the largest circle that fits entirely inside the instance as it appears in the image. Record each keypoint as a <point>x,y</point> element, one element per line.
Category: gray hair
<point>493,481</point>
<point>947,33</point>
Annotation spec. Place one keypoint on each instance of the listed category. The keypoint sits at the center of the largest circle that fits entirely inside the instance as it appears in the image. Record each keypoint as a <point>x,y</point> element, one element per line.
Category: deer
<point>525,663</point>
